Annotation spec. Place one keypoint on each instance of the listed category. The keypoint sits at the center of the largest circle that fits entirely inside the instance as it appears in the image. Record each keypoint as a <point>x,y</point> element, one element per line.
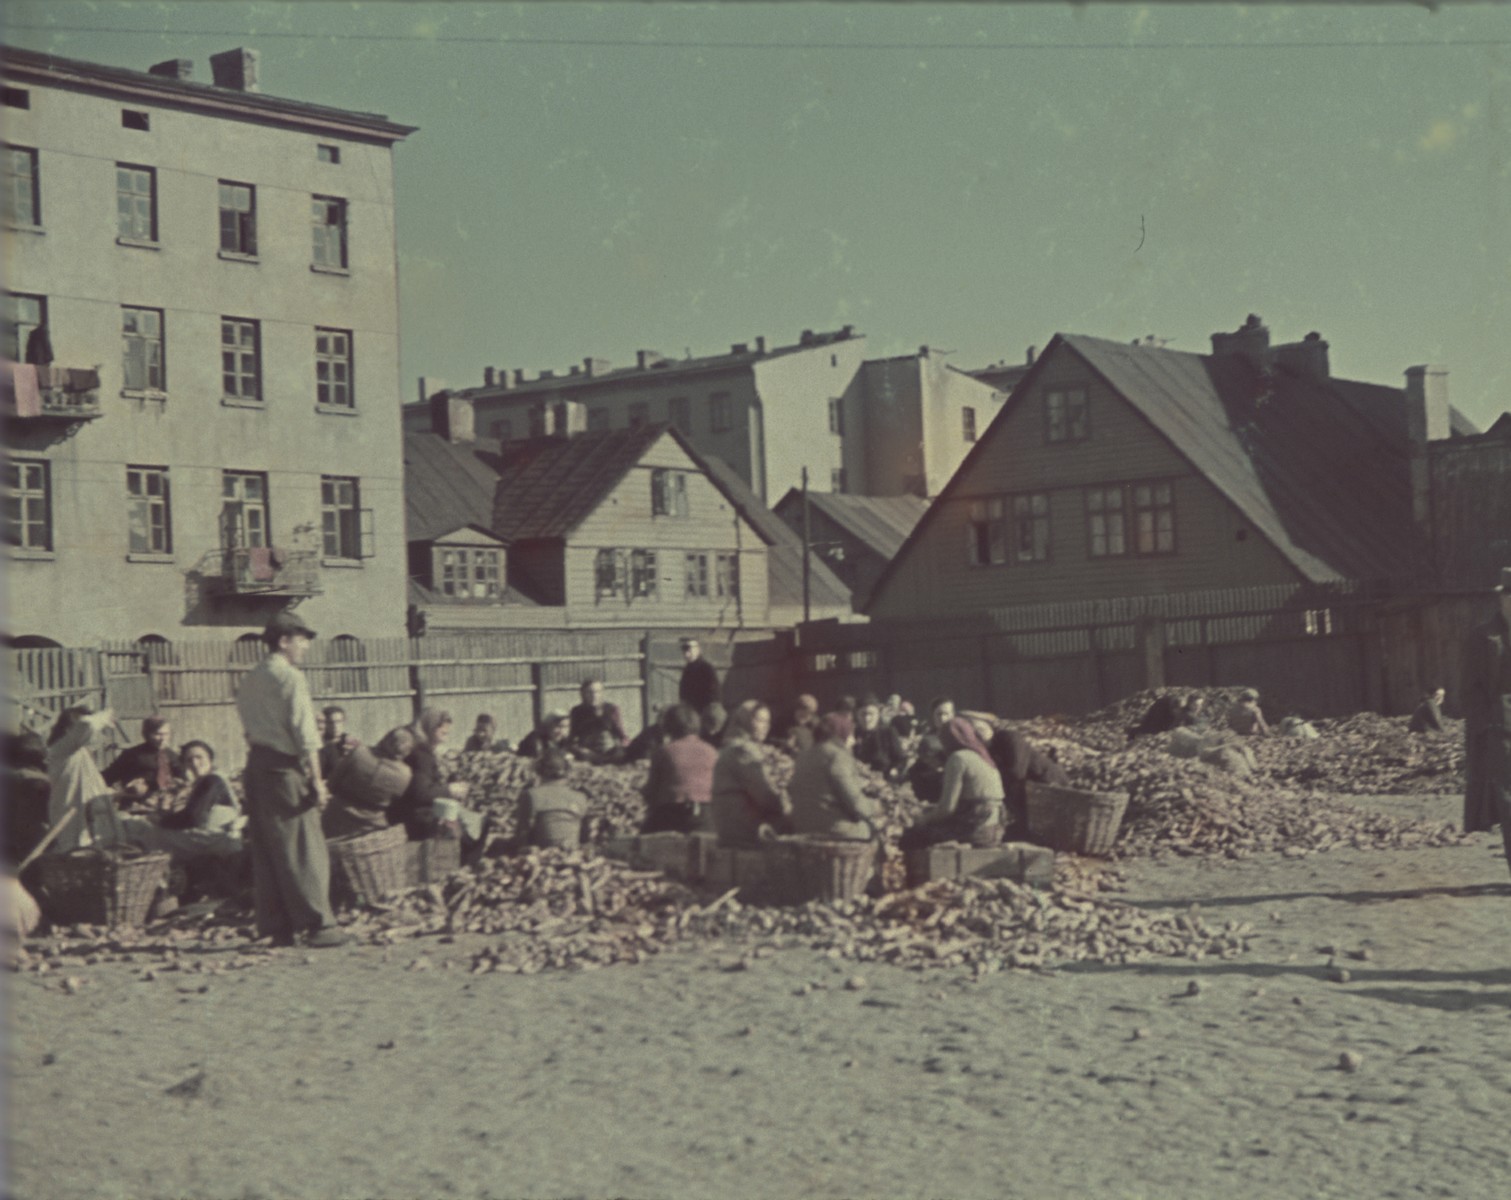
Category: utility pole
<point>807,534</point>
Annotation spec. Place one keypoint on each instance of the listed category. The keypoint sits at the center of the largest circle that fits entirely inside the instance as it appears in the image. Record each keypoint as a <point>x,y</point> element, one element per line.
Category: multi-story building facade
<point>880,427</point>
<point>201,344</point>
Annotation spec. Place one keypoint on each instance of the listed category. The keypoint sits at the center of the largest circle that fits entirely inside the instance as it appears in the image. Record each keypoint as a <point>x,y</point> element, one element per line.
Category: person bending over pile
<point>1246,718</point>
<point>550,812</point>
<point>744,798</point>
<point>149,768</point>
<point>827,797</point>
<point>681,780</point>
<point>1020,763</point>
<point>970,805</point>
<point>367,783</point>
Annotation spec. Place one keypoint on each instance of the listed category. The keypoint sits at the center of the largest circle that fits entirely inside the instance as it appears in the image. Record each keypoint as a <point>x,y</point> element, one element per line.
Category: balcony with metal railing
<point>252,571</point>
<point>49,393</point>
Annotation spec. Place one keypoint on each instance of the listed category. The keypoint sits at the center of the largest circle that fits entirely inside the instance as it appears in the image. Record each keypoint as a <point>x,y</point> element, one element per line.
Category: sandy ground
<point>345,1075</point>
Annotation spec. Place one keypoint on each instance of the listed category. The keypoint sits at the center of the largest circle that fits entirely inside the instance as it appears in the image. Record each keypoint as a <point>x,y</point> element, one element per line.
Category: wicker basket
<point>100,887</point>
<point>431,860</point>
<point>370,866</point>
<point>828,868</point>
<point>1074,821</point>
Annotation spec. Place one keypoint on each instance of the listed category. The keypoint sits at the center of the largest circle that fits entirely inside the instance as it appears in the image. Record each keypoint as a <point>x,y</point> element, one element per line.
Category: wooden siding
<point>1471,510</point>
<point>1215,546</point>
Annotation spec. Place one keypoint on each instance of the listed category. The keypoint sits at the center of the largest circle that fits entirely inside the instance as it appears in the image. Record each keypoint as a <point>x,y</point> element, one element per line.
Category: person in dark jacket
<point>1486,701</point>
<point>554,730</point>
<point>595,722</point>
<point>416,808</point>
<point>1022,763</point>
<point>699,686</point>
<point>336,743</point>
<point>799,735</point>
<point>927,772</point>
<point>150,767</point>
<point>484,735</point>
<point>876,742</point>
<point>681,779</point>
<point>644,743</point>
<point>1428,717</point>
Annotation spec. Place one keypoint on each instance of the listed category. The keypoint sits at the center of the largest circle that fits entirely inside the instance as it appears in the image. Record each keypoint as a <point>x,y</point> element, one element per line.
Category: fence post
<point>1096,667</point>
<point>1150,632</point>
<point>537,694</point>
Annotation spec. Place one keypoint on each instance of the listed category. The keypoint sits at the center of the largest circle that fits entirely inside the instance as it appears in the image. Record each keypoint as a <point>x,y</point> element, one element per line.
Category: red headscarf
<point>959,734</point>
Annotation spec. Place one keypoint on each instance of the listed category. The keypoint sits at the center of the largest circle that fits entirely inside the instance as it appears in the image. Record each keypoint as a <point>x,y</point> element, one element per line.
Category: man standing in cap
<point>1487,720</point>
<point>699,686</point>
<point>284,793</point>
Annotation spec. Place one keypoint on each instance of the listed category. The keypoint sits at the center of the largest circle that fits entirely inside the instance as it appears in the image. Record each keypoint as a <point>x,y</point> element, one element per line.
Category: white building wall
<point>86,589</point>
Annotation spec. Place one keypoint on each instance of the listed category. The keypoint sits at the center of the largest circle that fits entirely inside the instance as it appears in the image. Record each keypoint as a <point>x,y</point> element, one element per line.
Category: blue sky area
<point>971,177</point>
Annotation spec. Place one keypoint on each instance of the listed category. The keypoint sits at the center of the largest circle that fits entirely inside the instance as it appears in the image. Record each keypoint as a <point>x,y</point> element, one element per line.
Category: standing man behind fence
<point>700,682</point>
<point>285,793</point>
<point>1487,720</point>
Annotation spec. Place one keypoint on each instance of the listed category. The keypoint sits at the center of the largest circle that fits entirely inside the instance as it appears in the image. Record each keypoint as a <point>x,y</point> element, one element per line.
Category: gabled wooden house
<point>1118,470</point>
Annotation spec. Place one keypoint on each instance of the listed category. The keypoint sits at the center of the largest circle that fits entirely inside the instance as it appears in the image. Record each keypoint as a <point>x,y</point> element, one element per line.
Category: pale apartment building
<point>201,356</point>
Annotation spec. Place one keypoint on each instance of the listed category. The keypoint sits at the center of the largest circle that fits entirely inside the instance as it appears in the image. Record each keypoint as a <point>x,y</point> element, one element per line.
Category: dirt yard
<point>371,1072</point>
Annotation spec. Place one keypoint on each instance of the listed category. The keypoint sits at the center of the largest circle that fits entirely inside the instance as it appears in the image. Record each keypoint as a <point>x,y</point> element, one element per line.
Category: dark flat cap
<point>286,623</point>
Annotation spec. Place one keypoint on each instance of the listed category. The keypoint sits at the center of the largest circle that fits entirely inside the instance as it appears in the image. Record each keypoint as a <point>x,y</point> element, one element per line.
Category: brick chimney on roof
<point>235,69</point>
<point>173,68</point>
<point>1251,340</point>
<point>1307,357</point>
<point>452,417</point>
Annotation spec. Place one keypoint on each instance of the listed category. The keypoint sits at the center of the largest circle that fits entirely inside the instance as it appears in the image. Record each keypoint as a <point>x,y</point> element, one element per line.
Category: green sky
<point>562,200</point>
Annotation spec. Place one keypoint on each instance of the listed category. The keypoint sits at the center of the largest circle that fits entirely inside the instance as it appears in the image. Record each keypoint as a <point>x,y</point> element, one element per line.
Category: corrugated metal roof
<point>882,523</point>
<point>446,486</point>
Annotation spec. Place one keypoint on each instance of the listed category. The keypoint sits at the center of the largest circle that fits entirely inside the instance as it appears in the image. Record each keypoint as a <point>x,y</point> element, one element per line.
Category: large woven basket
<point>828,868</point>
<point>370,866</point>
<point>100,887</point>
<point>1074,821</point>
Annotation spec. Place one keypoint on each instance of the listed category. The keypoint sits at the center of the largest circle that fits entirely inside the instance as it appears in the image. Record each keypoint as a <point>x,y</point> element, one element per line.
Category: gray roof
<point>446,486</point>
<point>784,559</point>
<point>57,70</point>
<point>882,523</point>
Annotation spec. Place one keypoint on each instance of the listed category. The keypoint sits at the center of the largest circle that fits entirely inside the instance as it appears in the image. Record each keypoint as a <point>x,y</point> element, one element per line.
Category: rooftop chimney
<point>646,359</point>
<point>1427,404</point>
<point>488,376</point>
<point>596,366</point>
<point>739,348</point>
<point>807,338</point>
<point>1033,352</point>
<point>235,69</point>
<point>1251,341</point>
<point>173,68</point>
<point>519,376</point>
<point>429,386</point>
<point>452,417</point>
<point>760,345</point>
<point>558,418</point>
<point>845,331</point>
<point>575,369</point>
<point>1307,357</point>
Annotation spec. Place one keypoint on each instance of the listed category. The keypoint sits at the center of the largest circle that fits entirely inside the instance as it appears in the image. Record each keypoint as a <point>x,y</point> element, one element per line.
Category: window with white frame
<point>23,193</point>
<point>696,567</point>
<point>24,315</point>
<point>1031,528</point>
<point>333,368</point>
<point>727,576</point>
<point>836,415</point>
<point>136,202</point>
<point>608,573</point>
<point>240,359</point>
<point>968,423</point>
<point>469,572</point>
<point>238,218</point>
<point>329,216</point>
<point>838,481</point>
<point>1106,523</point>
<point>143,362</point>
<point>643,576</point>
<point>243,510</point>
<point>148,518</point>
<point>340,517</point>
<point>720,413</point>
<point>986,532</point>
<point>28,503</point>
<point>668,492</point>
<point>1153,518</point>
<point>327,153</point>
<point>1065,415</point>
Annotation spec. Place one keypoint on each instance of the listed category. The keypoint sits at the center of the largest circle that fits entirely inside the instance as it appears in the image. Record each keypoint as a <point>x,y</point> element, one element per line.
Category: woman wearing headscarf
<point>744,798</point>
<point>826,793</point>
<point>416,808</point>
<point>681,779</point>
<point>366,785</point>
<point>76,781</point>
<point>1021,763</point>
<point>210,823</point>
<point>969,808</point>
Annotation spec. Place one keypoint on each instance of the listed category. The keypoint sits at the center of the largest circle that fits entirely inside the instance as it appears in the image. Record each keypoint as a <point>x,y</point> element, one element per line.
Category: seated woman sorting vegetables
<point>681,778</point>
<point>550,812</point>
<point>208,826</point>
<point>826,793</point>
<point>969,808</point>
<point>744,798</point>
<point>429,801</point>
<point>366,783</point>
